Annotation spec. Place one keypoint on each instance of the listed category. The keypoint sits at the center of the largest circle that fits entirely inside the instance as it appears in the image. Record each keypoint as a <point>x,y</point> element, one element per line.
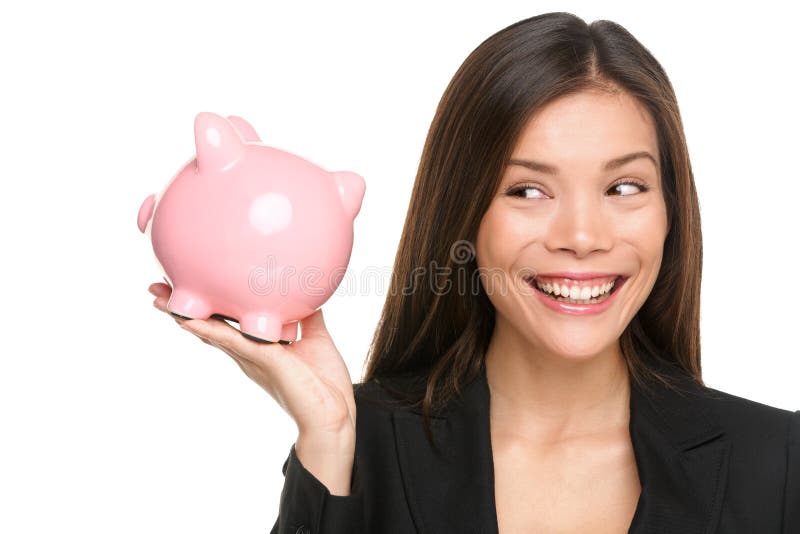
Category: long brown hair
<point>442,336</point>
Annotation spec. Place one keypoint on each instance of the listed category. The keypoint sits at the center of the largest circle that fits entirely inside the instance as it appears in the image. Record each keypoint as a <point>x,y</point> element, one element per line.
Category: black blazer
<point>708,462</point>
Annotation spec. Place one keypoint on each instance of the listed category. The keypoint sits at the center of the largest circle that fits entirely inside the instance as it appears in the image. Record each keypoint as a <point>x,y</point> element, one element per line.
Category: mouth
<point>577,291</point>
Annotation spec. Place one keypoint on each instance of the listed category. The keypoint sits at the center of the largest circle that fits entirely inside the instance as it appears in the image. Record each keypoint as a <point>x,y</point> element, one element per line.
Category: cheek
<point>501,236</point>
<point>645,230</point>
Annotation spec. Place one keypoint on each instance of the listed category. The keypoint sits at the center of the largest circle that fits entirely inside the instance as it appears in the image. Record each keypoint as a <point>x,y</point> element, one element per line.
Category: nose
<point>579,227</point>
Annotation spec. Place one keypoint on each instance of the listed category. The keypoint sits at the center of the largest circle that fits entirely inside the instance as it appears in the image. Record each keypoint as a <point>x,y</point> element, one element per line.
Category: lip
<point>579,276</point>
<point>580,309</point>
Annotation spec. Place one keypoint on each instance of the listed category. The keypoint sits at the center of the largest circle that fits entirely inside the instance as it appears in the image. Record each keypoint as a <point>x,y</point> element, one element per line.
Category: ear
<point>245,129</point>
<point>351,188</point>
<point>217,142</point>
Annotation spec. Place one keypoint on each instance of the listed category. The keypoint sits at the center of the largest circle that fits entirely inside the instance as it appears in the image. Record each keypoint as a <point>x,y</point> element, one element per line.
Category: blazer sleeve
<point>307,506</point>
<point>791,497</point>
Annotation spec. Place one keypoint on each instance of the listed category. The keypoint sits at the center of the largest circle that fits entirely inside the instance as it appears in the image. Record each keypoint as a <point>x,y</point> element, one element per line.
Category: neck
<point>546,396</point>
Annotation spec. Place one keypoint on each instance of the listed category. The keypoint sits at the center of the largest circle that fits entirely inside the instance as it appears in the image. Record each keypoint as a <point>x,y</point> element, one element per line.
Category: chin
<point>575,351</point>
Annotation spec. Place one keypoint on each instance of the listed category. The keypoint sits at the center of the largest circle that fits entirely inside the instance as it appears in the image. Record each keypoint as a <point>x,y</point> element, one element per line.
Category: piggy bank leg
<point>289,331</point>
<point>188,304</point>
<point>261,326</point>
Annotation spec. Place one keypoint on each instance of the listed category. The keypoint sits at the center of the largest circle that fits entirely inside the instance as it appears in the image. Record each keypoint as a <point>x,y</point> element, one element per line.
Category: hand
<point>308,378</point>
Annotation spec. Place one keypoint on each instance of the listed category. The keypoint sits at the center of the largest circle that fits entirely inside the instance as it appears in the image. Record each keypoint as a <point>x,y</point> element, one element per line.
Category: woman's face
<point>566,215</point>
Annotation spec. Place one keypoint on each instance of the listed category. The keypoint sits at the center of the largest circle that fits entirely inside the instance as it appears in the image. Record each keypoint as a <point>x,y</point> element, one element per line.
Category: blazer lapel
<point>680,450</point>
<point>681,454</point>
<point>450,489</point>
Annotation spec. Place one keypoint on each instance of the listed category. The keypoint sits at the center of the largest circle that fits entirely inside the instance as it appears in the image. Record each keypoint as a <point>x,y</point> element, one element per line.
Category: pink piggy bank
<point>251,233</point>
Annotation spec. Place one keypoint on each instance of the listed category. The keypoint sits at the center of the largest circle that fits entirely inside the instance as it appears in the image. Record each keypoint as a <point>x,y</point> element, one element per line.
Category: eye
<point>624,188</point>
<point>524,191</point>
<point>625,185</point>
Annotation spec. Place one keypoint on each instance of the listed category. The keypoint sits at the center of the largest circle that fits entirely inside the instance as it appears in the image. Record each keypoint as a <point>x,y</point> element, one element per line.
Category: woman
<point>546,378</point>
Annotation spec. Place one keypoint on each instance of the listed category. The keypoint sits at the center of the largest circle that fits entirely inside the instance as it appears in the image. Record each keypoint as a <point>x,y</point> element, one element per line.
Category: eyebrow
<point>609,165</point>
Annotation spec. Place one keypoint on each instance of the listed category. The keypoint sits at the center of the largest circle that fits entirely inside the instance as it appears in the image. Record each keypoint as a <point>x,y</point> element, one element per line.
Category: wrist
<point>334,445</point>
<point>329,458</point>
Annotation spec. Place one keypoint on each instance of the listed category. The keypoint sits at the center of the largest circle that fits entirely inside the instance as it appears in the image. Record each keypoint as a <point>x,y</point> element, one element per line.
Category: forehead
<point>586,128</point>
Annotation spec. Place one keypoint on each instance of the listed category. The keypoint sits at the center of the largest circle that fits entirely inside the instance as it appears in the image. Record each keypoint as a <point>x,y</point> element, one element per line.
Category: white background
<point>112,419</point>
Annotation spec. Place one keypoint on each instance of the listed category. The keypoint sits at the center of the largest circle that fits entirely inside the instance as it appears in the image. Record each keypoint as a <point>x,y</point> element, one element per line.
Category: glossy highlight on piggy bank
<point>251,233</point>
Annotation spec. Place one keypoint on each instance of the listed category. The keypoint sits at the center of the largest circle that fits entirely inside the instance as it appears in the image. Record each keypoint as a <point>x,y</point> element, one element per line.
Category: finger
<point>202,338</point>
<point>245,365</point>
<point>182,322</point>
<point>161,304</point>
<point>221,333</point>
<point>314,325</point>
<point>238,359</point>
<point>159,289</point>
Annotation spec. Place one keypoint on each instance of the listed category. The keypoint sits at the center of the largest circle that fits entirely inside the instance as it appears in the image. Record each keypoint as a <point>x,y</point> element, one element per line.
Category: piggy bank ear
<point>351,188</point>
<point>217,142</point>
<point>245,129</point>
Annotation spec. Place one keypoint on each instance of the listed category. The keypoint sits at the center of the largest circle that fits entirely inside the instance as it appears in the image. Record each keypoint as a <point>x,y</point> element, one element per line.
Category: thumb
<point>314,325</point>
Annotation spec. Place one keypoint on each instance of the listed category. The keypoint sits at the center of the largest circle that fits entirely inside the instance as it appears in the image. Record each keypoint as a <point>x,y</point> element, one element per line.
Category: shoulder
<point>376,433</point>
<point>371,396</point>
<point>740,415</point>
<point>763,437</point>
<point>743,420</point>
<point>378,400</point>
<point>765,449</point>
<point>387,394</point>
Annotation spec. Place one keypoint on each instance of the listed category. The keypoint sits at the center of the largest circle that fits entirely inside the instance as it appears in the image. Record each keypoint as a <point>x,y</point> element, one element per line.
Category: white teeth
<point>575,292</point>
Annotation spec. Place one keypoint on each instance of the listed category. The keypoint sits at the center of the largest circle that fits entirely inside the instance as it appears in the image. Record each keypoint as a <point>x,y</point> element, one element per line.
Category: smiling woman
<point>593,205</point>
<point>546,376</point>
<point>587,240</point>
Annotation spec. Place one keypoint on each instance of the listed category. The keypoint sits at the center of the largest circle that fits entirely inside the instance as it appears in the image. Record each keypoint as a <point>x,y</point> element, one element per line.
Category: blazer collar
<point>680,455</point>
